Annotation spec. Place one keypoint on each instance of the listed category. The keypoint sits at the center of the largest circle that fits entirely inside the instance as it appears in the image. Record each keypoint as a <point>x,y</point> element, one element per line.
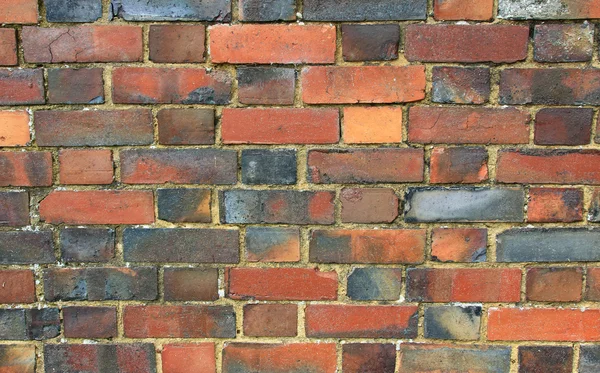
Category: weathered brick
<point>99,358</point>
<point>349,321</point>
<point>25,247</point>
<point>463,125</point>
<point>184,205</point>
<point>452,322</point>
<point>21,87</point>
<point>543,324</point>
<point>75,86</point>
<point>90,322</point>
<point>73,11</point>
<point>98,207</point>
<point>419,358</point>
<point>182,358</point>
<point>100,283</point>
<point>358,10</point>
<point>266,85</point>
<point>550,9</point>
<point>267,44</point>
<point>563,43</point>
<point>589,359</point>
<point>592,289</point>
<point>432,204</point>
<point>548,166</point>
<point>386,246</point>
<point>460,85</point>
<point>368,357</point>
<point>8,47</point>
<point>281,284</point>
<point>361,205</point>
<point>290,358</point>
<point>87,244</point>
<point>89,166</point>
<point>456,10</point>
<point>179,245</point>
<point>14,209</point>
<point>28,324</point>
<point>594,206</point>
<point>537,359</point>
<point>463,245</point>
<point>555,205</point>
<point>362,84</point>
<point>548,245</point>
<point>267,11</point>
<point>458,165</point>
<point>186,126</point>
<point>442,285</point>
<point>280,126</point>
<point>372,125</point>
<point>272,244</point>
<point>370,42</point>
<point>17,358</point>
<point>178,166</point>
<point>14,128</point>
<point>122,43</point>
<point>563,126</point>
<point>555,86</point>
<point>554,284</point>
<point>163,321</point>
<point>383,165</point>
<point>276,206</point>
<point>158,85</point>
<point>166,10</point>
<point>19,11</point>
<point>176,43</point>
<point>18,286</point>
<point>266,166</point>
<point>93,128</point>
<point>270,320</point>
<point>375,284</point>
<point>191,284</point>
<point>466,43</point>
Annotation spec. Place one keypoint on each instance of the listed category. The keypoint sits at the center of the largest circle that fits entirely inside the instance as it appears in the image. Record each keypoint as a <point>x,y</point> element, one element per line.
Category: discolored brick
<point>14,209</point>
<point>458,165</point>
<point>265,166</point>
<point>191,284</point>
<point>87,244</point>
<point>26,247</point>
<point>166,10</point>
<point>372,125</point>
<point>18,286</point>
<point>555,205</point>
<point>26,168</point>
<point>460,85</point>
<point>370,42</point>
<point>97,358</point>
<point>8,47</point>
<point>459,245</point>
<point>366,284</point>
<point>186,126</point>
<point>29,324</point>
<point>270,320</point>
<point>266,85</point>
<point>17,358</point>
<point>563,126</point>
<point>554,284</point>
<point>90,166</point>
<point>593,207</point>
<point>563,43</point>
<point>589,359</point>
<point>184,205</point>
<point>358,10</point>
<point>375,205</point>
<point>75,86</point>
<point>540,359</point>
<point>73,10</point>
<point>21,87</point>
<point>368,357</point>
<point>267,11</point>
<point>551,9</point>
<point>453,322</point>
<point>176,43</point>
<point>272,244</point>
<point>90,322</point>
<point>182,358</point>
<point>418,358</point>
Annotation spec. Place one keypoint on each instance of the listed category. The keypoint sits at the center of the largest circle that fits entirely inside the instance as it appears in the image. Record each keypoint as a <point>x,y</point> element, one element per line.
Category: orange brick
<point>14,128</point>
<point>86,166</point>
<point>19,11</point>
<point>372,125</point>
<point>455,10</point>
<point>183,358</point>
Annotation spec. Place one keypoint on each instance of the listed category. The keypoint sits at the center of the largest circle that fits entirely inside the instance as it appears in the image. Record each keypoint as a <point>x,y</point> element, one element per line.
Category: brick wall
<point>232,186</point>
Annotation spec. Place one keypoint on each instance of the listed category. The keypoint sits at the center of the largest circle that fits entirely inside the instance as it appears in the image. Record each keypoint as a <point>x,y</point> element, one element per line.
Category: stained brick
<point>75,86</point>
<point>552,9</point>
<point>458,165</point>
<point>589,359</point>
<point>452,322</point>
<point>166,10</point>
<point>563,43</point>
<point>93,166</point>
<point>177,43</point>
<point>459,245</point>
<point>29,324</point>
<point>23,247</point>
<point>370,42</point>
<point>184,205</point>
<point>269,166</point>
<point>563,126</point>
<point>272,244</point>
<point>417,358</point>
<point>266,85</point>
<point>90,322</point>
<point>460,85</point>
<point>358,10</point>
<point>536,359</point>
<point>555,205</point>
<point>270,320</point>
<point>97,358</point>
<point>191,284</point>
<point>376,205</point>
<point>592,290</point>
<point>261,11</point>
<point>368,357</point>
<point>75,11</point>
<point>554,284</point>
<point>186,126</point>
<point>375,284</point>
<point>17,358</point>
<point>87,244</point>
<point>14,209</point>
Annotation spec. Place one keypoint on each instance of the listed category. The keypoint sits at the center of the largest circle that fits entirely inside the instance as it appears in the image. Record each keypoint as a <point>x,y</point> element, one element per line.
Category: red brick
<point>384,165</point>
<point>548,166</point>
<point>8,47</point>
<point>164,321</point>
<point>372,125</point>
<point>461,125</point>
<point>563,126</point>
<point>21,87</point>
<point>459,245</point>
<point>346,321</point>
<point>368,357</point>
<point>270,320</point>
<point>280,126</point>
<point>592,291</point>
<point>377,205</point>
<point>289,358</point>
<point>186,126</point>
<point>463,285</point>
<point>19,11</point>
<point>291,43</point>
<point>26,168</point>
<point>281,284</point>
<point>362,84</point>
<point>191,284</point>
<point>458,165</point>
<point>456,10</point>
<point>14,209</point>
<point>93,166</point>
<point>554,284</point>
<point>152,85</point>
<point>14,128</point>
<point>98,207</point>
<point>176,43</point>
<point>466,43</point>
<point>90,322</point>
<point>95,43</point>
<point>563,43</point>
<point>543,324</point>
<point>548,205</point>
<point>17,286</point>
<point>189,357</point>
<point>75,86</point>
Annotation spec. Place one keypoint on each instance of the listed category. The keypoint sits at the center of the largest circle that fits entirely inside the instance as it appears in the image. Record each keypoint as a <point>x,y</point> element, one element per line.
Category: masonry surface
<point>299,186</point>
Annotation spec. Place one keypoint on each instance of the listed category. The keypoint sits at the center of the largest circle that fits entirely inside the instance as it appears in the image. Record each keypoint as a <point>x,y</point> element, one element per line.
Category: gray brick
<point>261,166</point>
<point>589,360</point>
<point>545,9</point>
<point>464,204</point>
<point>361,10</point>
<point>87,244</point>
<point>26,247</point>
<point>452,322</point>
<point>267,10</point>
<point>27,324</point>
<point>375,284</point>
<point>172,10</point>
<point>189,205</point>
<point>548,245</point>
<point>418,358</point>
<point>73,10</point>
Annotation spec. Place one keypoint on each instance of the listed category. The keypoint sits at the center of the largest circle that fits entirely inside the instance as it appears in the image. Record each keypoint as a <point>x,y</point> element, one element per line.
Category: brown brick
<point>25,247</point>
<point>14,209</point>
<point>26,168</point>
<point>368,357</point>
<point>459,245</point>
<point>554,284</point>
<point>266,85</point>
<point>184,205</point>
<point>370,42</point>
<point>270,320</point>
<point>548,205</point>
<point>90,322</point>
<point>460,85</point>
<point>191,284</point>
<point>118,357</point>
<point>18,286</point>
<point>177,43</point>
<point>21,87</point>
<point>186,126</point>
<point>93,166</point>
<point>8,47</point>
<point>458,165</point>
<point>563,126</point>
<point>75,86</point>
<point>592,291</point>
<point>539,359</point>
<point>377,205</point>
<point>563,43</point>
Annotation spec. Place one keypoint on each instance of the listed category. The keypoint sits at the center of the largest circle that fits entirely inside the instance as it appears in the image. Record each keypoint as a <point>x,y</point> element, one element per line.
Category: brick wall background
<point>299,186</point>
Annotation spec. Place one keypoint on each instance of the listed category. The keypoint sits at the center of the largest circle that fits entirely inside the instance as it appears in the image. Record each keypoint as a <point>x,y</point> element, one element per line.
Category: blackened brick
<point>26,247</point>
<point>375,284</point>
<point>167,10</point>
<point>563,43</point>
<point>186,126</point>
<point>563,126</point>
<point>370,42</point>
<point>87,244</point>
<point>460,85</point>
<point>184,205</point>
<point>540,359</point>
<point>453,322</point>
<point>122,357</point>
<point>269,166</point>
<point>266,85</point>
<point>73,10</point>
<point>14,209</point>
<point>266,244</point>
<point>26,324</point>
<point>267,11</point>
<point>359,10</point>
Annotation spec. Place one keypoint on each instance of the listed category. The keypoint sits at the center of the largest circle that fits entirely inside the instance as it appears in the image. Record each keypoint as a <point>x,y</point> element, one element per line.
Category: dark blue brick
<point>268,166</point>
